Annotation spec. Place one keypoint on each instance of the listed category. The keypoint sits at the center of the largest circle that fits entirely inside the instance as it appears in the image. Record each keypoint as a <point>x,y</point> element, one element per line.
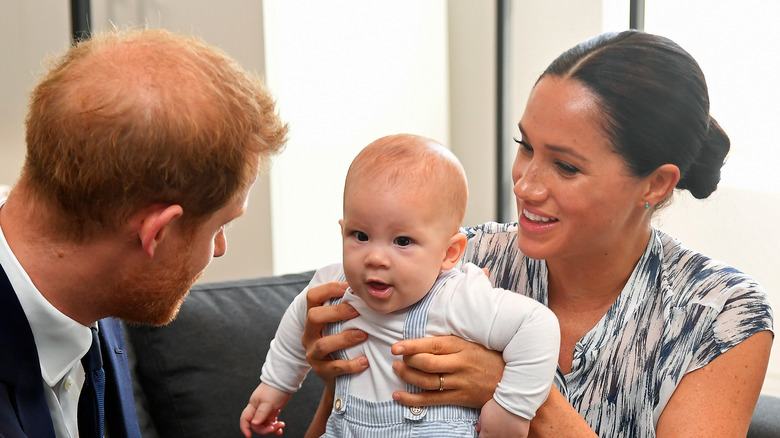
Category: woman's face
<point>575,195</point>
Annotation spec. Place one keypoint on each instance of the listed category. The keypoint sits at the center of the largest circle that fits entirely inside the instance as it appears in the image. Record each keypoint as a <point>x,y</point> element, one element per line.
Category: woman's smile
<point>538,218</point>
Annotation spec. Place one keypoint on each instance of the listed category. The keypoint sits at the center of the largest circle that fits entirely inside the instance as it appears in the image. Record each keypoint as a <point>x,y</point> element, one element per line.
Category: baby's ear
<point>454,251</point>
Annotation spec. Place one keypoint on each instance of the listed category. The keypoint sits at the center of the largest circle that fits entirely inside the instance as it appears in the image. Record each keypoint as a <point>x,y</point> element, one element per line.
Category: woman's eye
<point>567,168</point>
<point>360,236</point>
<point>524,146</point>
<point>403,241</point>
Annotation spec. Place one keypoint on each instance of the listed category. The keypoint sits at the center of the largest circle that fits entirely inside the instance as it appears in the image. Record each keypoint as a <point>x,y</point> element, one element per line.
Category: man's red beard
<point>154,296</point>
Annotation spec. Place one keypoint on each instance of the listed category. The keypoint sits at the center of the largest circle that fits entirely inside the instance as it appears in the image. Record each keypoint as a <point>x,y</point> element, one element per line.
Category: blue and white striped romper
<point>355,417</point>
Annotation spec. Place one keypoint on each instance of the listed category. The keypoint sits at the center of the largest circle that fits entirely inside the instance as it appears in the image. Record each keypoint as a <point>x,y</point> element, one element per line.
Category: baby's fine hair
<point>412,162</point>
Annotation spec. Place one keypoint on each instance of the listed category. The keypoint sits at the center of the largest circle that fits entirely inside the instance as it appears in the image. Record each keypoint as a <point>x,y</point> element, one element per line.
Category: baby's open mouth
<point>379,289</point>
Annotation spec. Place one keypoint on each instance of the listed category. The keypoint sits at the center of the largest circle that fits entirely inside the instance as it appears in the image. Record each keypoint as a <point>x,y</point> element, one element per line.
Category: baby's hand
<point>260,423</point>
<point>261,413</point>
<point>495,421</point>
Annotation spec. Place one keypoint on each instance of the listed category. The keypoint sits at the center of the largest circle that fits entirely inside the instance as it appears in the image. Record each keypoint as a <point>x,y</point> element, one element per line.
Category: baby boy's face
<point>394,243</point>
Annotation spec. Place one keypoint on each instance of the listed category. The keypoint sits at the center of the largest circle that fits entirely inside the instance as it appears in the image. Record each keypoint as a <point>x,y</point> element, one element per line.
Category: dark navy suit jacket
<point>23,408</point>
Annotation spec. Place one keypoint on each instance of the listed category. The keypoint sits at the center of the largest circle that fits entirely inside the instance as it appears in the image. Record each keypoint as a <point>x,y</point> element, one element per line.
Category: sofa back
<point>194,376</point>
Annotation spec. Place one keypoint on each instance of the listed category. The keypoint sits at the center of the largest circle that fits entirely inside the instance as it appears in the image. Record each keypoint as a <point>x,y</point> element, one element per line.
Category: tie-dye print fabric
<point>678,311</point>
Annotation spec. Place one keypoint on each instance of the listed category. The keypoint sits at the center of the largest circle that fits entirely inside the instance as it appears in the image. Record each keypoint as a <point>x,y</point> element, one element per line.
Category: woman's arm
<point>319,348</point>
<point>718,399</point>
<point>320,420</point>
<point>471,373</point>
<point>556,418</point>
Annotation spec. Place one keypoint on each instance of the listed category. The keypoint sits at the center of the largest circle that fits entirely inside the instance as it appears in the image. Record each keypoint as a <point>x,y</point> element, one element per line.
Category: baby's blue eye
<point>403,241</point>
<point>361,236</point>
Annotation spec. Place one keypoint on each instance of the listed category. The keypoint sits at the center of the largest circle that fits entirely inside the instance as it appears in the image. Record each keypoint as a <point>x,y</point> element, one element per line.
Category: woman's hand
<point>319,348</point>
<point>470,372</point>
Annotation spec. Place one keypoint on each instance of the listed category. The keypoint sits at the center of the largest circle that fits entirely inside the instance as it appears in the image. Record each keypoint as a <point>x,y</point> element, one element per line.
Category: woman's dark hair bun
<point>703,175</point>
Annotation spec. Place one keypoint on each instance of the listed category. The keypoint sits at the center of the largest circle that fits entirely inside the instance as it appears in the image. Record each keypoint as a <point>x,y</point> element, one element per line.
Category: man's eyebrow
<point>556,148</point>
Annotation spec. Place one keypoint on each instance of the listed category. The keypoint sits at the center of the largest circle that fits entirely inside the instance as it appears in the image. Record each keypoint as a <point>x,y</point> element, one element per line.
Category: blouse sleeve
<point>745,312</point>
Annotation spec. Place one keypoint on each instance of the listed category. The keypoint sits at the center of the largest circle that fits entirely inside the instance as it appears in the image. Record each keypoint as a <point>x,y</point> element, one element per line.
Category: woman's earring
<point>647,205</point>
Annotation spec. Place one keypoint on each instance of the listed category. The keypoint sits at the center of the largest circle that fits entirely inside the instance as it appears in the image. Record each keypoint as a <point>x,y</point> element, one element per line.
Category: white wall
<point>345,73</point>
<point>33,30</point>
<point>472,70</point>
<point>737,49</point>
<point>30,31</point>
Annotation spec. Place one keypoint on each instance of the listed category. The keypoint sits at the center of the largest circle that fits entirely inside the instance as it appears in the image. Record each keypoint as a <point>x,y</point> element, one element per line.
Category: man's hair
<point>410,162</point>
<point>132,118</point>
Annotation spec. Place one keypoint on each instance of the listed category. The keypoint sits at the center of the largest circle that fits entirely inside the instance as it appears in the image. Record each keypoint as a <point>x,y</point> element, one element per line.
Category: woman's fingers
<point>317,296</point>
<point>319,347</point>
<point>318,315</point>
<point>454,392</point>
<point>330,369</point>
<point>318,352</point>
<point>434,345</point>
<point>467,372</point>
<point>420,379</point>
<point>325,314</point>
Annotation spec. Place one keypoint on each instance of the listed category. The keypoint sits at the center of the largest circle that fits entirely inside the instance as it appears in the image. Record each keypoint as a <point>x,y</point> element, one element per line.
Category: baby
<point>404,199</point>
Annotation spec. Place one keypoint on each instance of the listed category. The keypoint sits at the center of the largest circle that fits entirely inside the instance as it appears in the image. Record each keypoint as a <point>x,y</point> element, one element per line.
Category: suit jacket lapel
<point>22,376</point>
<point>121,418</point>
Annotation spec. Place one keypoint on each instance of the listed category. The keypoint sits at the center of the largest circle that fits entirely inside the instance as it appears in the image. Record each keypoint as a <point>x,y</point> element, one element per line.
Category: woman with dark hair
<point>656,339</point>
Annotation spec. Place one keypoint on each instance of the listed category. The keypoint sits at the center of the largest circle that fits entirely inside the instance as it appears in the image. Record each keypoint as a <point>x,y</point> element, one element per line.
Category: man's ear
<point>660,183</point>
<point>454,251</point>
<point>155,224</point>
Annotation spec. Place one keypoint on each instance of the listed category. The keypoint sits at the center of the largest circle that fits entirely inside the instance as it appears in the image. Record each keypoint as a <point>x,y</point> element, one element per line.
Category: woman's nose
<point>528,181</point>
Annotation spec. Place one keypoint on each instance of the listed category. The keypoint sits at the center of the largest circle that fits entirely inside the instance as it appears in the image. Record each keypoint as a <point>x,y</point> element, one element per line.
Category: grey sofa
<point>194,376</point>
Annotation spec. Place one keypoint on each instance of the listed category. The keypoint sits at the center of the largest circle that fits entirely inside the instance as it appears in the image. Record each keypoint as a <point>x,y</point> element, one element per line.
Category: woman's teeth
<point>536,217</point>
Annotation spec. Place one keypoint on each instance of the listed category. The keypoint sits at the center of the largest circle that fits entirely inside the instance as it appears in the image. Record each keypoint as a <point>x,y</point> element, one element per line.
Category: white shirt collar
<point>60,340</point>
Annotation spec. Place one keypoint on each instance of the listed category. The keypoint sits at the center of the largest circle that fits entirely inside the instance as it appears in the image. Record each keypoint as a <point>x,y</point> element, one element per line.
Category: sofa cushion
<point>766,418</point>
<point>197,372</point>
